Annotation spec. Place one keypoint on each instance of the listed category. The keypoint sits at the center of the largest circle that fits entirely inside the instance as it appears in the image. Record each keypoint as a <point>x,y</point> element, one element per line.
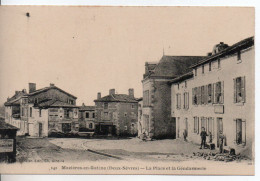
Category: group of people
<point>203,136</point>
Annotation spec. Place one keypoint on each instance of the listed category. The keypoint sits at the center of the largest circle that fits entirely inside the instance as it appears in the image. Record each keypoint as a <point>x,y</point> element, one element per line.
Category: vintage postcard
<point>127,90</point>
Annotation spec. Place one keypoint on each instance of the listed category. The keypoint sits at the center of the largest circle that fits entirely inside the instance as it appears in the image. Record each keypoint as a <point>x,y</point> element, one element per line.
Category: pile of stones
<point>219,156</point>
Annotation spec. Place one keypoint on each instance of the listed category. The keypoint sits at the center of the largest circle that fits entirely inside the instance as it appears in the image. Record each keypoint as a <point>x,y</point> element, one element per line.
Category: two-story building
<point>218,94</point>
<point>156,111</point>
<point>42,112</point>
<point>87,118</point>
<point>116,114</point>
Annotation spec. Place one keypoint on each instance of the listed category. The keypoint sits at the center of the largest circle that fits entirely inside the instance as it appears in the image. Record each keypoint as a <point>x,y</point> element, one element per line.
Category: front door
<point>219,129</point>
<point>40,129</point>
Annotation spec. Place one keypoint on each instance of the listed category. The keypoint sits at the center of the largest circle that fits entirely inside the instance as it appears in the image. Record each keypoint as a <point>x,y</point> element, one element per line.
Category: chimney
<point>24,90</point>
<point>52,84</point>
<point>209,54</point>
<point>98,95</point>
<point>112,91</point>
<point>131,92</point>
<point>32,87</point>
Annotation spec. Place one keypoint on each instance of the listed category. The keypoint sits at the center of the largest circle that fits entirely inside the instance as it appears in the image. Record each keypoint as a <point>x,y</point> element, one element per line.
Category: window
<point>87,115</point>
<point>185,83</point>
<point>210,93</point>
<point>90,125</point>
<point>219,66</point>
<point>240,131</point>
<point>93,115</point>
<point>239,90</point>
<point>30,112</point>
<point>40,113</point>
<point>186,100</point>
<point>203,95</point>
<point>203,69</point>
<point>203,123</point>
<point>219,92</point>
<point>196,125</point>
<point>105,105</point>
<point>210,126</point>
<point>194,96</point>
<point>178,101</point>
<point>66,113</point>
<point>238,56</point>
<point>195,71</point>
<point>178,86</point>
<point>146,101</point>
<point>132,106</point>
<point>209,66</point>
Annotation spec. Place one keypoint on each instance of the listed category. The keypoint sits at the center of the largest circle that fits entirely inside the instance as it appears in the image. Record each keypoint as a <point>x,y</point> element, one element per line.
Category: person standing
<point>222,142</point>
<point>203,135</point>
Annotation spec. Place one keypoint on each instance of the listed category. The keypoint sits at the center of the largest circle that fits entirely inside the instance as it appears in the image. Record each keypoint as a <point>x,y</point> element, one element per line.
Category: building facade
<point>116,114</point>
<point>140,117</point>
<point>218,95</point>
<point>156,112</point>
<point>87,118</point>
<point>42,112</point>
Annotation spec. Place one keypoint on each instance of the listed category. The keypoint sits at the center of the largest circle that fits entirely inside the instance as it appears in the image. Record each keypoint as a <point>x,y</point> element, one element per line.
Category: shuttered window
<point>240,131</point>
<point>186,100</point>
<point>178,101</point>
<point>219,92</point>
<point>196,125</point>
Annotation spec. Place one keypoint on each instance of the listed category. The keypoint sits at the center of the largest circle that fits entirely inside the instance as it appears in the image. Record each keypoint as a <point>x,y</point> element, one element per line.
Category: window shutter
<point>243,88</point>
<point>177,101</point>
<point>235,131</point>
<point>193,102</point>
<point>222,92</point>
<point>206,94</point>
<point>244,132</point>
<point>198,130</point>
<point>212,93</point>
<point>184,99</point>
<point>199,95</point>
<point>235,91</point>
<point>187,100</point>
<point>215,93</point>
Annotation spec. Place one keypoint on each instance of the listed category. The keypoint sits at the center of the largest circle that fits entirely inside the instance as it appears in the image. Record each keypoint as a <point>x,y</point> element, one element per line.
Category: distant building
<point>87,118</point>
<point>116,114</point>
<point>156,110</point>
<point>218,94</point>
<point>42,112</point>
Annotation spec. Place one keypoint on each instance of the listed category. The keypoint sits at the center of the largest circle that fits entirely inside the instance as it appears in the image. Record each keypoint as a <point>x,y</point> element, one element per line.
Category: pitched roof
<point>117,98</point>
<point>182,78</point>
<point>86,108</point>
<point>54,103</point>
<point>173,66</point>
<point>6,126</point>
<point>48,88</point>
<point>243,44</point>
<point>14,100</point>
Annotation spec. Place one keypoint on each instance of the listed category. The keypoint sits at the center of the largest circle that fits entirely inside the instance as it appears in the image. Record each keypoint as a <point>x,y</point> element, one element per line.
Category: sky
<point>85,50</point>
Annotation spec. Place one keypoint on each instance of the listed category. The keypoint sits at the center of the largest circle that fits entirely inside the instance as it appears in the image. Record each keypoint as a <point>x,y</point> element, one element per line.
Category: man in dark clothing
<point>203,135</point>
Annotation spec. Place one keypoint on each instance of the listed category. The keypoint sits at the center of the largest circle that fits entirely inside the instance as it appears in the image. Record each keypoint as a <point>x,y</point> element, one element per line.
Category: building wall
<point>87,124</point>
<point>157,116</point>
<point>37,122</point>
<point>140,123</point>
<point>230,68</point>
<point>127,119</point>
<point>57,120</point>
<point>124,125</point>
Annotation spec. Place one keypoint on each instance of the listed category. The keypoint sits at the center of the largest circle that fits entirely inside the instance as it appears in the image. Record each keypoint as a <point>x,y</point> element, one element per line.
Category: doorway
<point>219,129</point>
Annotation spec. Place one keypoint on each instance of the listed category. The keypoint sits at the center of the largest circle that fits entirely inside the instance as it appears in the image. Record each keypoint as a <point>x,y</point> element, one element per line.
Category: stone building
<point>41,112</point>
<point>116,114</point>
<point>87,118</point>
<point>157,93</point>
<point>218,94</point>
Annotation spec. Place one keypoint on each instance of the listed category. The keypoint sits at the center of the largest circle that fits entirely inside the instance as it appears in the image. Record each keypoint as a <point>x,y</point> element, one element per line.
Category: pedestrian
<point>203,135</point>
<point>222,142</point>
<point>185,134</point>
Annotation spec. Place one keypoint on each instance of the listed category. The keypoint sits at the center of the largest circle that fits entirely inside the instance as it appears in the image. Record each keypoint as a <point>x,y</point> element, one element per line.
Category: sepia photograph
<point>127,90</point>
